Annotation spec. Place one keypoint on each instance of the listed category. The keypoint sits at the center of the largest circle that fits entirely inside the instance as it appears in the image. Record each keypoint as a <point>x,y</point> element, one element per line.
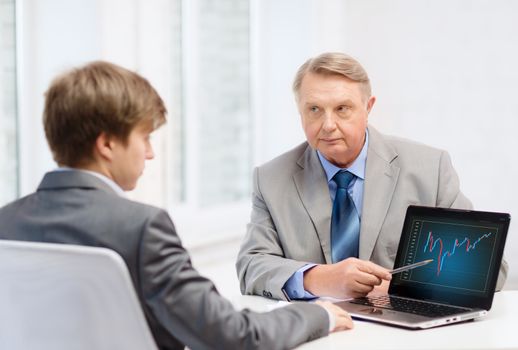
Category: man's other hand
<point>342,320</point>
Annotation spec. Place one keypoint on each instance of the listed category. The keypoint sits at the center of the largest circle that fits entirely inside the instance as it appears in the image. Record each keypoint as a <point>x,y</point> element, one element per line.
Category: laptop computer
<point>466,247</point>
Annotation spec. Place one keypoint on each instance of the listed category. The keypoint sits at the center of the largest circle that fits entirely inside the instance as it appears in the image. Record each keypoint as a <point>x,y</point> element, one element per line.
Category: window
<point>217,118</point>
<point>224,111</point>
<point>210,197</point>
<point>8,130</point>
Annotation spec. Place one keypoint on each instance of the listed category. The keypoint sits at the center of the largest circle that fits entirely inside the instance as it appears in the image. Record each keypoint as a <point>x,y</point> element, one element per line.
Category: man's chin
<point>128,187</point>
<point>336,155</point>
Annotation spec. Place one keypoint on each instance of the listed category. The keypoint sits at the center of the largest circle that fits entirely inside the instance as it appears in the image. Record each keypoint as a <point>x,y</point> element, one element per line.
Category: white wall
<point>444,73</point>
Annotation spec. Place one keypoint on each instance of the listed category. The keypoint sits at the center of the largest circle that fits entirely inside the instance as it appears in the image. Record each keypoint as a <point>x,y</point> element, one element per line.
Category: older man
<point>327,215</point>
<point>98,120</point>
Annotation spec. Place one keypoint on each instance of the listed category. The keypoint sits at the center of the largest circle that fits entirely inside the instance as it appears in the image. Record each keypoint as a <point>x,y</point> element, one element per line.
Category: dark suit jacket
<point>182,307</point>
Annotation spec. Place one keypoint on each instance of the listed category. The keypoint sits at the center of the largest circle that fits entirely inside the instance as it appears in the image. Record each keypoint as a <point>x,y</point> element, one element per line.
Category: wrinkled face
<point>128,160</point>
<point>334,113</point>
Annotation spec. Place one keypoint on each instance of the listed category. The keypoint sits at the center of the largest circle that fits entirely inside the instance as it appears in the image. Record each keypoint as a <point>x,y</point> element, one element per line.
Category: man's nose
<point>329,123</point>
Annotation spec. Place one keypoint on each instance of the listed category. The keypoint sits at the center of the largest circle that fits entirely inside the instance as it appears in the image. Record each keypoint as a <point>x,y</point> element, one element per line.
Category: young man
<point>98,120</point>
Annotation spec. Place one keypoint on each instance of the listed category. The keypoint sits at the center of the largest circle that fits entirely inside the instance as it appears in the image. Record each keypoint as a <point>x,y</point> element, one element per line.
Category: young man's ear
<point>104,146</point>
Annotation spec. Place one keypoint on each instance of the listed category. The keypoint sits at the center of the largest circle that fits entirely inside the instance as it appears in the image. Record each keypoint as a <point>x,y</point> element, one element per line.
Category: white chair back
<point>57,296</point>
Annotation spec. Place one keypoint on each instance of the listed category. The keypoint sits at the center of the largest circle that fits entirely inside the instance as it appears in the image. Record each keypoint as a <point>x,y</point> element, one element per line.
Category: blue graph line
<point>431,243</point>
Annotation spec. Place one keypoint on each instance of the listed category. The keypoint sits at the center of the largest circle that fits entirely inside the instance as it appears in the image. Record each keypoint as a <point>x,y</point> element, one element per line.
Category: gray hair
<point>334,63</point>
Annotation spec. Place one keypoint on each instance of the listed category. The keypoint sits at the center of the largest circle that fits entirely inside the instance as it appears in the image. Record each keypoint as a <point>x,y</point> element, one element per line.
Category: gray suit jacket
<point>182,307</point>
<point>291,209</point>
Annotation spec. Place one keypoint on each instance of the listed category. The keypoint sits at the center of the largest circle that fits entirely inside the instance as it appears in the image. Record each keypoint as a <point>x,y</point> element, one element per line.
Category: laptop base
<point>403,319</point>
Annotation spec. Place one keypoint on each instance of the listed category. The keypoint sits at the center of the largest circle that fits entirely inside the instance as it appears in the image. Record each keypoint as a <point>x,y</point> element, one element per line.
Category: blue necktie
<point>345,222</point>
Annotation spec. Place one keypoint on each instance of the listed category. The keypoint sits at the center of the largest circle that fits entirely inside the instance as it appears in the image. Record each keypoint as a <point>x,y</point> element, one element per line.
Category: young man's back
<point>76,207</point>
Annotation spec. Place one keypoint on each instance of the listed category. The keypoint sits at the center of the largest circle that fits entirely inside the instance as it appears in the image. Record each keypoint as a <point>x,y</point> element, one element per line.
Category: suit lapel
<point>380,182</point>
<point>313,190</point>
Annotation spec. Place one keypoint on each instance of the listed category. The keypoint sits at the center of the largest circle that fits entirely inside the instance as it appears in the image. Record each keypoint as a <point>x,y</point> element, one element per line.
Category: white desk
<point>497,330</point>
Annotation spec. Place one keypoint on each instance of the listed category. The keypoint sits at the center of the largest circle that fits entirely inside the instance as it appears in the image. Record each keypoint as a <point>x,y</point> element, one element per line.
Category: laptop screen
<point>466,247</point>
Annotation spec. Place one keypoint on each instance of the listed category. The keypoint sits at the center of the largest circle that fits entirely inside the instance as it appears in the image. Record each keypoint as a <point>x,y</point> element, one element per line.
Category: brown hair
<point>334,63</point>
<point>99,97</point>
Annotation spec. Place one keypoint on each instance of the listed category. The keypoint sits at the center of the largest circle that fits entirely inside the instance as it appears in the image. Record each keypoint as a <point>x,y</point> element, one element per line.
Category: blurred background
<point>444,73</point>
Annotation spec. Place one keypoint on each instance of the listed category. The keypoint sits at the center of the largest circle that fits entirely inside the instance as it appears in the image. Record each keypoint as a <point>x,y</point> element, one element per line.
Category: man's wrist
<point>332,320</point>
<point>311,280</point>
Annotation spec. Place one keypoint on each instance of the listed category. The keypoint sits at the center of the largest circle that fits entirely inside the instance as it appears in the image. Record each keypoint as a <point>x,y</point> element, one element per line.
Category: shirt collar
<point>357,167</point>
<point>113,185</point>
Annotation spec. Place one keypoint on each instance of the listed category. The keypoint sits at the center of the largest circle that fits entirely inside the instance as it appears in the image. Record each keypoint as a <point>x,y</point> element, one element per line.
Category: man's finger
<point>368,279</point>
<point>376,270</point>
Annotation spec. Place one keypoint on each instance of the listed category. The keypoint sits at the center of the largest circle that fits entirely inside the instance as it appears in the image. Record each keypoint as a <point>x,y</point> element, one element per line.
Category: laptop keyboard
<point>409,306</point>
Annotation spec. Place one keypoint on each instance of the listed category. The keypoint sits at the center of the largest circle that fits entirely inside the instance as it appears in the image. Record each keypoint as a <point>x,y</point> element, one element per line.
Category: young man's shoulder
<point>126,208</point>
<point>102,206</point>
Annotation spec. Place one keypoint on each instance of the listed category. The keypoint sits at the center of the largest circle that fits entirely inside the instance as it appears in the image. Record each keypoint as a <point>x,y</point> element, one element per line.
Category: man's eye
<point>314,109</point>
<point>343,108</point>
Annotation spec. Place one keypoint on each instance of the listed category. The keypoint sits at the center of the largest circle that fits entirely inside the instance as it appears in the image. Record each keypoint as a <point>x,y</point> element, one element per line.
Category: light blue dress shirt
<point>294,286</point>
